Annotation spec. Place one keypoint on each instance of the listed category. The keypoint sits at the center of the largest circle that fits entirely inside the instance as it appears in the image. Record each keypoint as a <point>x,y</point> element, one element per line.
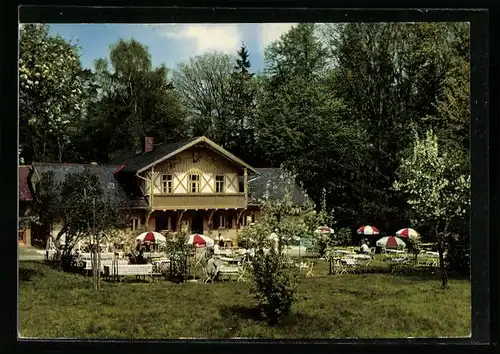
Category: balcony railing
<point>198,201</point>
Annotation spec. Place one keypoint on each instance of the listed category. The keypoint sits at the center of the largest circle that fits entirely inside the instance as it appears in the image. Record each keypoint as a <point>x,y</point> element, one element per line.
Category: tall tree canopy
<point>302,122</point>
<point>203,82</point>
<point>53,91</point>
<point>337,104</point>
<point>135,100</point>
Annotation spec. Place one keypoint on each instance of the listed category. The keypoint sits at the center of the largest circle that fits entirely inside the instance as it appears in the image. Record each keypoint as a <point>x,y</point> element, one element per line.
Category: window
<point>194,183</point>
<point>222,222</point>
<point>219,184</point>
<point>135,223</point>
<point>247,219</point>
<point>166,183</point>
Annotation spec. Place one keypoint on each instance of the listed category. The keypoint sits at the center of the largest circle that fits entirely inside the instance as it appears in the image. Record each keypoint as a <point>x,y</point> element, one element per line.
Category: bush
<point>274,285</point>
<point>65,261</point>
<point>178,252</point>
<point>343,237</point>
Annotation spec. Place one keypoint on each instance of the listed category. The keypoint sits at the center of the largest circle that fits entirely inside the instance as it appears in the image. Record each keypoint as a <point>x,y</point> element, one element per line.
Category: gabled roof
<point>141,162</point>
<point>109,184</point>
<point>257,186</point>
<point>24,188</point>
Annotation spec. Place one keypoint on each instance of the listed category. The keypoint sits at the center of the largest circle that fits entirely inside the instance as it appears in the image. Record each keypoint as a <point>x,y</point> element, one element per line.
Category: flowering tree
<point>52,92</point>
<point>436,188</point>
<point>274,280</point>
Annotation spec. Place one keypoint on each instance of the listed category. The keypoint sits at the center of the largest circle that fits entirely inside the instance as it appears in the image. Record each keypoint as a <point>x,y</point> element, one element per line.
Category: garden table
<point>390,250</point>
<point>361,256</point>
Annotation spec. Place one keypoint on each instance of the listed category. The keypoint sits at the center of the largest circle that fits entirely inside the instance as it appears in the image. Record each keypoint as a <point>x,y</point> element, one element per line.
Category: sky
<point>173,43</point>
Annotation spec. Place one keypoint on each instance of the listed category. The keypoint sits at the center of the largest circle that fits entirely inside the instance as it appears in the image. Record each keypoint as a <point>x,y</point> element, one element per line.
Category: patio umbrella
<point>198,240</point>
<point>151,236</point>
<point>324,229</point>
<point>391,242</point>
<point>408,233</point>
<point>368,230</point>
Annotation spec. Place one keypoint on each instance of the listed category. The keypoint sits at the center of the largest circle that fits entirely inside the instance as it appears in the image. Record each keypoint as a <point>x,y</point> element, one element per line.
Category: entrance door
<point>197,223</point>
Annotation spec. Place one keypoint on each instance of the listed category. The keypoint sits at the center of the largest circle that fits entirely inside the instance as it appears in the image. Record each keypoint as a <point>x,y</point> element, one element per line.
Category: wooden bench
<point>117,272</point>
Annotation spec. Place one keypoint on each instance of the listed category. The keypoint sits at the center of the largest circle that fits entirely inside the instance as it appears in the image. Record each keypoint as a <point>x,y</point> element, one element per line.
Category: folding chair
<point>208,277</point>
<point>351,265</point>
<point>310,266</point>
<point>341,265</point>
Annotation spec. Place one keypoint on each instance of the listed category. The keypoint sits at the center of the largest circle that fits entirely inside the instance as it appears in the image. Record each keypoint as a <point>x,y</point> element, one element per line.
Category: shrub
<point>343,237</point>
<point>274,285</point>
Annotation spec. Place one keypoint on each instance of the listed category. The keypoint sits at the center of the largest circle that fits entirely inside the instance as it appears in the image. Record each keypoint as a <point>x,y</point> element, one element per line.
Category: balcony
<point>199,201</point>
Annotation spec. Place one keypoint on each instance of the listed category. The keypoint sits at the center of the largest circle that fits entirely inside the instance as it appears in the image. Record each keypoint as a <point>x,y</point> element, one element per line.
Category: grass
<point>27,250</point>
<point>62,305</point>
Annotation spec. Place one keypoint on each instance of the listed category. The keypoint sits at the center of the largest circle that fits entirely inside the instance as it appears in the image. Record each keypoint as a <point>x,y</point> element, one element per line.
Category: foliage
<point>135,100</point>
<point>436,188</point>
<point>274,284</point>
<point>178,251</point>
<point>321,240</point>
<point>47,200</point>
<point>342,237</point>
<point>303,124</point>
<point>53,91</point>
<point>274,281</point>
<point>241,109</point>
<point>392,77</point>
<point>203,82</point>
<point>74,202</point>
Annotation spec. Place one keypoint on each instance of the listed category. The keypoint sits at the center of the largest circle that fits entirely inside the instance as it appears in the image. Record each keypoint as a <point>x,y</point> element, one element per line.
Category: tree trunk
<point>442,266</point>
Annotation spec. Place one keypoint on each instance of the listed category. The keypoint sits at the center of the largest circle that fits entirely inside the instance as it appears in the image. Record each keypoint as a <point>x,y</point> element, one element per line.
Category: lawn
<point>27,250</point>
<point>61,305</point>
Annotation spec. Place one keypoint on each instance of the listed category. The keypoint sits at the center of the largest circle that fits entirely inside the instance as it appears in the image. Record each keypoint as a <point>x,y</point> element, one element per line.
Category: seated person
<point>365,248</point>
<point>212,268</point>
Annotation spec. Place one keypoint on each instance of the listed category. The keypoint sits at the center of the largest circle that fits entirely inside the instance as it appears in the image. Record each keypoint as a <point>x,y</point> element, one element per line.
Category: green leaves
<point>52,93</point>
<point>434,184</point>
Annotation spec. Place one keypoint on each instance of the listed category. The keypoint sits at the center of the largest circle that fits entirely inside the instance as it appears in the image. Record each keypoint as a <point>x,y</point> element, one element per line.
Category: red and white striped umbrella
<point>325,230</point>
<point>368,230</point>
<point>408,233</point>
<point>391,242</point>
<point>198,240</point>
<point>151,236</point>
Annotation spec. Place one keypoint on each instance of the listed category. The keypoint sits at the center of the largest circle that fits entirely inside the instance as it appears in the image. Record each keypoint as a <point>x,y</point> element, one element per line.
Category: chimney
<point>148,144</point>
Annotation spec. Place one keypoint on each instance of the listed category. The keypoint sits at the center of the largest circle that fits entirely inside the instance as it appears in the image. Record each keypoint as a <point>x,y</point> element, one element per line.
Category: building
<point>195,182</point>
<point>25,200</point>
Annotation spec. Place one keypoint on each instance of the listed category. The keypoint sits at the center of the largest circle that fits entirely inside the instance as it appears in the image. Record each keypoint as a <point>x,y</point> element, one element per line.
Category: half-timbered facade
<point>195,182</point>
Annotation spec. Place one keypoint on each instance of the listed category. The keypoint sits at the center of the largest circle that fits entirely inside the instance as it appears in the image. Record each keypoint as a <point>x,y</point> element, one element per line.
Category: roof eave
<point>193,143</point>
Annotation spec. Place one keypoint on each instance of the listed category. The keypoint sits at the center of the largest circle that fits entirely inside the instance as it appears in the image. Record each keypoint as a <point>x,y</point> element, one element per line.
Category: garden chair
<point>342,266</point>
<point>351,265</point>
<point>310,267</point>
<point>209,277</point>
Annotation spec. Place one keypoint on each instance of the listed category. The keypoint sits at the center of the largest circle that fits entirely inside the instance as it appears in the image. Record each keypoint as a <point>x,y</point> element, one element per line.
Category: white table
<point>360,256</point>
<point>431,254</point>
<point>343,252</point>
<point>390,250</point>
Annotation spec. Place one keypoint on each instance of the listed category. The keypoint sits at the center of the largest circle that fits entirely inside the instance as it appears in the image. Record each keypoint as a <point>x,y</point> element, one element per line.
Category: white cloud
<point>269,32</point>
<point>225,38</point>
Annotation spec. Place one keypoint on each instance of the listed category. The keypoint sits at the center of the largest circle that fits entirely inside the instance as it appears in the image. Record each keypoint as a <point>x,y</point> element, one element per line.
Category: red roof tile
<point>24,189</point>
